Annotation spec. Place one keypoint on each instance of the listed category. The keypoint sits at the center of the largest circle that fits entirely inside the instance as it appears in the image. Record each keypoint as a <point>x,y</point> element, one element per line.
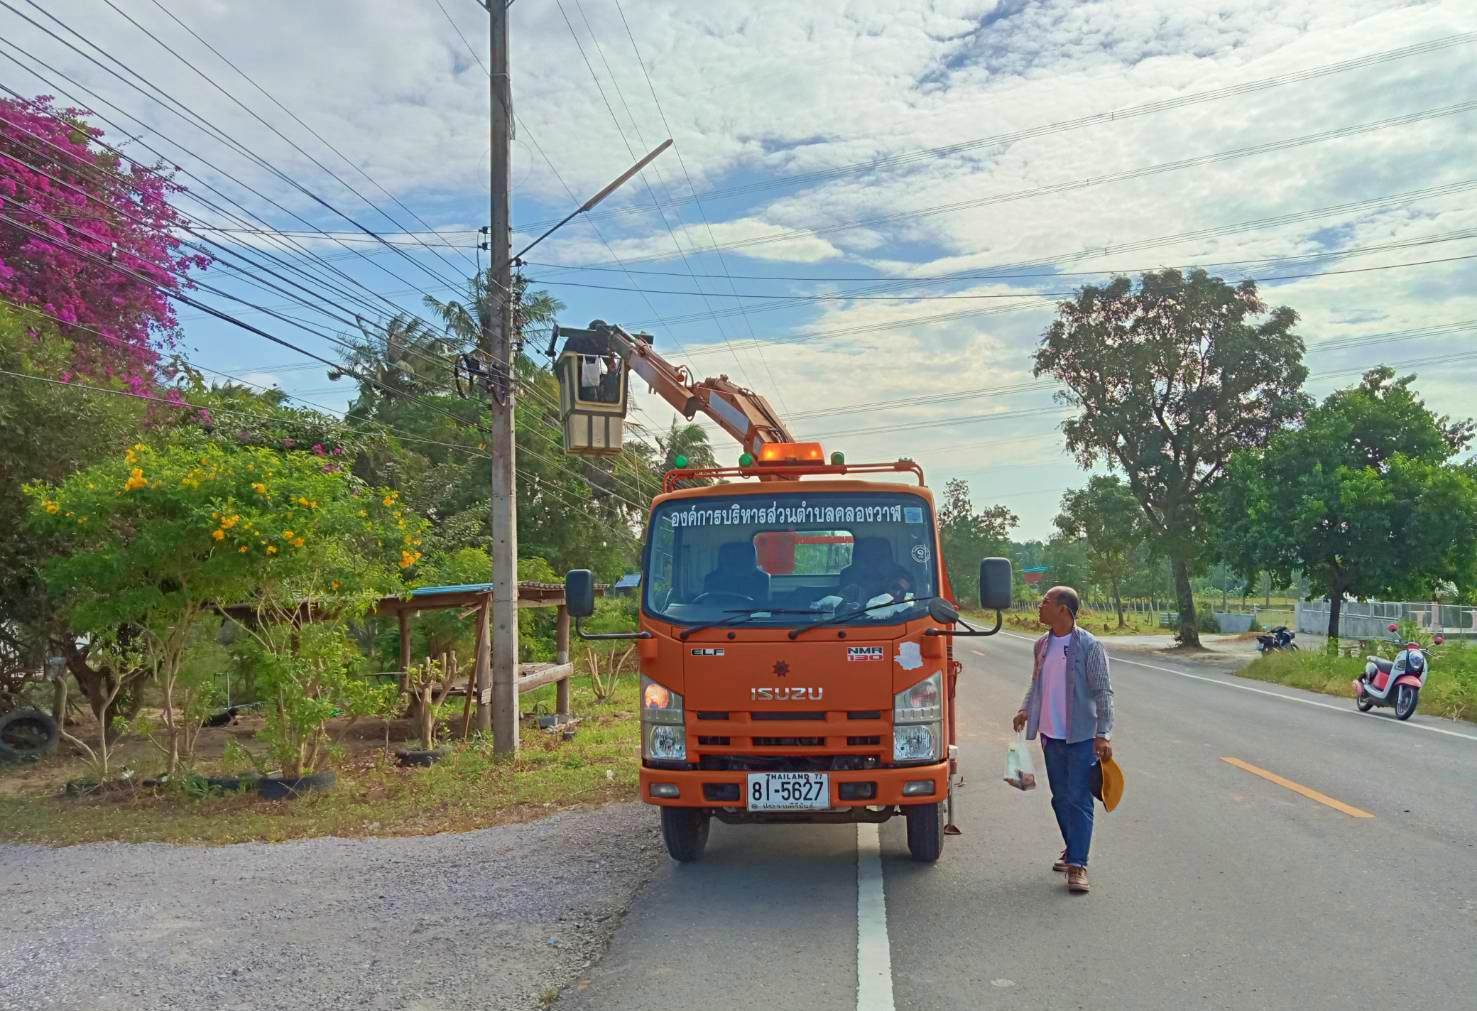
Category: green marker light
<point>746,460</point>
<point>680,462</point>
<point>838,458</point>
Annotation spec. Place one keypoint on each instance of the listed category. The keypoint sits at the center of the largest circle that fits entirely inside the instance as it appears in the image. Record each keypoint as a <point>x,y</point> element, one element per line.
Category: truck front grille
<point>810,740</point>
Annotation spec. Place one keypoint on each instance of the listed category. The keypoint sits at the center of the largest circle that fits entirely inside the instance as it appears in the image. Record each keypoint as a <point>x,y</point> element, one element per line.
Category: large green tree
<point>1362,497</point>
<point>1170,376</point>
<point>1107,517</point>
<point>969,534</point>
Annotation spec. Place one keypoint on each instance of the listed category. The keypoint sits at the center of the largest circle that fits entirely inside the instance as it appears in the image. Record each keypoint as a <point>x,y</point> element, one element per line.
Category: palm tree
<point>399,358</point>
<point>689,440</point>
<point>467,321</point>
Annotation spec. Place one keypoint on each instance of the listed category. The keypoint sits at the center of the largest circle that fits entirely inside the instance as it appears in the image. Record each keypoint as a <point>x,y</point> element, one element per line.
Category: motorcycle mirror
<point>1439,640</point>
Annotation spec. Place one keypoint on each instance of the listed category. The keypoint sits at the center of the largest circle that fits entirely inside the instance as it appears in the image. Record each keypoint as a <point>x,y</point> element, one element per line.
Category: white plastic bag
<point>1019,772</point>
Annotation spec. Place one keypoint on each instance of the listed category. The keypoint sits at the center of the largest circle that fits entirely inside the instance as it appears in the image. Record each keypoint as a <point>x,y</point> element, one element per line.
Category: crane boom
<point>740,412</point>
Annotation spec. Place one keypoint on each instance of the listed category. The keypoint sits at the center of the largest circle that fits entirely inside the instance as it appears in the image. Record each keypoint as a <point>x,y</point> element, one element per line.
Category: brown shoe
<point>1061,862</point>
<point>1077,879</point>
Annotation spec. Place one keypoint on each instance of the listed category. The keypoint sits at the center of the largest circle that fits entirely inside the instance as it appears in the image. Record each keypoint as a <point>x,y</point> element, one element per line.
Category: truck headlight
<point>922,703</point>
<point>659,704</point>
<point>663,742</point>
<point>915,742</point>
<point>917,715</point>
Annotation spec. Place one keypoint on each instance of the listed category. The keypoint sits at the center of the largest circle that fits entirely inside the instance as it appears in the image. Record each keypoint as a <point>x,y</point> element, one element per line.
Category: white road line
<point>873,951</point>
<point>1276,695</point>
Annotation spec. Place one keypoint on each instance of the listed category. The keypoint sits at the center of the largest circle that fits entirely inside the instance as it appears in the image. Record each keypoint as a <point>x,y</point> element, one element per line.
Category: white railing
<point>1371,619</point>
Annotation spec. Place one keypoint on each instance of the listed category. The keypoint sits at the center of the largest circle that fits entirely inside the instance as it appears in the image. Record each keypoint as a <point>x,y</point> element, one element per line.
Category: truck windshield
<point>786,559</point>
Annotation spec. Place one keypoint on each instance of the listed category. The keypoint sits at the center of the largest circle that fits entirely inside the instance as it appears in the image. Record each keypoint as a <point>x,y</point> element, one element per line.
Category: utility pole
<point>498,342</point>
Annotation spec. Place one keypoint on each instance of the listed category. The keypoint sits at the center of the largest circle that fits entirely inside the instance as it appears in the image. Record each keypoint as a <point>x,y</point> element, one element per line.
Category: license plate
<point>789,791</point>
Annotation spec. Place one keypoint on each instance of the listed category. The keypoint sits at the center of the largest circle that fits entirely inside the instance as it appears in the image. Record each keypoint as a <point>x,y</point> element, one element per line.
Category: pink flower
<point>318,449</point>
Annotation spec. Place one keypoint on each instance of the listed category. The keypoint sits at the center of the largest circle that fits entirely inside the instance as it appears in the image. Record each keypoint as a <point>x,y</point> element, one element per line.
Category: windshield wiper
<point>833,619</point>
<point>749,614</point>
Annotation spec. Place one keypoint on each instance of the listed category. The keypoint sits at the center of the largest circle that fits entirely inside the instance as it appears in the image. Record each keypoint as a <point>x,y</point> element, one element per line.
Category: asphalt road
<point>1212,886</point>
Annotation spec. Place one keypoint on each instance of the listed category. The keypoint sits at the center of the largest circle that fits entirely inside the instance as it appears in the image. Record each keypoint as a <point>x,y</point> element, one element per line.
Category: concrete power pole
<point>501,717</point>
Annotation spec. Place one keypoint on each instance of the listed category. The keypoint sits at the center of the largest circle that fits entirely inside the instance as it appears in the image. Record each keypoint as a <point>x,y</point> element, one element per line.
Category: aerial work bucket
<point>592,391</point>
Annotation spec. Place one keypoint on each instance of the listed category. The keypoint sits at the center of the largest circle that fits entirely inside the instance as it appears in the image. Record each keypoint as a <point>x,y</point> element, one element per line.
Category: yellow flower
<point>364,513</point>
<point>336,584</point>
<point>298,543</point>
<point>135,480</point>
<point>230,521</point>
<point>389,499</point>
<point>218,534</point>
<point>407,559</point>
<point>243,549</point>
<point>271,549</point>
<point>287,535</point>
<point>51,507</point>
<point>259,488</point>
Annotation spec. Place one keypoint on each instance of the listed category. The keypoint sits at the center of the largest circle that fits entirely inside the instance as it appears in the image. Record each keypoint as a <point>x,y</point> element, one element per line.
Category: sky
<point>870,209</point>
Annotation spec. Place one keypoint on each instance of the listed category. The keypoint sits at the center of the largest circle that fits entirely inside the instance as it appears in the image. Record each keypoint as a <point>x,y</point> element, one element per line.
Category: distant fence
<point>1371,619</point>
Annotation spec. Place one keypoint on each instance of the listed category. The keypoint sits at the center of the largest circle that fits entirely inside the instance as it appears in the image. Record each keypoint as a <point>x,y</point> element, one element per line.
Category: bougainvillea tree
<point>90,238</point>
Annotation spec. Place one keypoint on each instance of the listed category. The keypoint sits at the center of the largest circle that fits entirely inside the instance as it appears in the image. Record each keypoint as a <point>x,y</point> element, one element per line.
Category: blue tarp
<point>437,591</point>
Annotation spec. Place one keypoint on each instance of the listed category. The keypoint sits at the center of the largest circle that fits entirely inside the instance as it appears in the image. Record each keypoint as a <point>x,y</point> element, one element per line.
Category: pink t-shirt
<point>1054,688</point>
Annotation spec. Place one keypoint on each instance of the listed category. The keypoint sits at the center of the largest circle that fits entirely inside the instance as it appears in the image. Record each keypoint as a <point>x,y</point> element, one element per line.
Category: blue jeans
<point>1069,771</point>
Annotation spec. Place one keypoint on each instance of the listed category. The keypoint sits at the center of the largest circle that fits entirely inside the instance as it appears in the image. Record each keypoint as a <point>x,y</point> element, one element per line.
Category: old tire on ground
<point>27,734</point>
<point>1406,698</point>
<point>685,831</point>
<point>925,831</point>
<point>277,788</point>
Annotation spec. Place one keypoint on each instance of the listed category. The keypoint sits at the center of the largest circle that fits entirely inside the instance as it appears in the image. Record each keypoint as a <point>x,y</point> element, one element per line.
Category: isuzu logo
<point>786,694</point>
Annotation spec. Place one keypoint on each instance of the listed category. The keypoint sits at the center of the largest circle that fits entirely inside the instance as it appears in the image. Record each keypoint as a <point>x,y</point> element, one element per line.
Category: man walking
<point>1070,703</point>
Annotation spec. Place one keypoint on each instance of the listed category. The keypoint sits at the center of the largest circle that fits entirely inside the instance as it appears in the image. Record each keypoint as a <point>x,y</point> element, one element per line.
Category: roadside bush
<point>1451,688</point>
<point>307,683</point>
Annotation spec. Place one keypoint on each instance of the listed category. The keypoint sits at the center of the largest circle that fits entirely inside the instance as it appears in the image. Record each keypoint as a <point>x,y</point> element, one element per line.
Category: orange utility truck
<point>796,619</point>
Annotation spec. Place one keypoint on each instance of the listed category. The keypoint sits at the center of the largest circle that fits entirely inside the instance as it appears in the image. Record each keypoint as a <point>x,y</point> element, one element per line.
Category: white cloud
<point>754,91</point>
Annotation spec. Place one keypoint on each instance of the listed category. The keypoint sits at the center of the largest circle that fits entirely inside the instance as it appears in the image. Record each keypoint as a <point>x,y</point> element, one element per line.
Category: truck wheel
<point>925,831</point>
<point>685,831</point>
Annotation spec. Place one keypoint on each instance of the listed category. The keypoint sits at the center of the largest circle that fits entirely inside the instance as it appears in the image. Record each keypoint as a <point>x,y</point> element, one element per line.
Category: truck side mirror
<point>943,612</point>
<point>579,592</point>
<point>996,584</point>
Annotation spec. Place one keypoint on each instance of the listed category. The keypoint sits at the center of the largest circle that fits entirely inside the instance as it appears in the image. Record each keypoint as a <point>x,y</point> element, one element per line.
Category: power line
<point>1354,206</point>
<point>318,136</point>
<point>1142,172</point>
<point>1115,116</point>
<point>296,246</point>
<point>554,170</point>
<point>650,192</point>
<point>179,109</point>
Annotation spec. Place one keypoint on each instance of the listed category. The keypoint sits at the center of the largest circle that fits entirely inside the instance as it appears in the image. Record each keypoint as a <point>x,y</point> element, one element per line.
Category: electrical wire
<point>319,137</point>
<point>1114,116</point>
<point>650,192</point>
<point>1086,182</point>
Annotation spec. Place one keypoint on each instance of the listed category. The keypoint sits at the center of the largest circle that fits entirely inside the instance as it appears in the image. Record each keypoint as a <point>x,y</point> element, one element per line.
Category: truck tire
<point>27,734</point>
<point>925,832</point>
<point>685,831</point>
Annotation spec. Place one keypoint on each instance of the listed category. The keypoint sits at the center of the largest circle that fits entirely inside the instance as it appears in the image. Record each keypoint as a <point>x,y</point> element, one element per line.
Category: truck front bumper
<point>889,787</point>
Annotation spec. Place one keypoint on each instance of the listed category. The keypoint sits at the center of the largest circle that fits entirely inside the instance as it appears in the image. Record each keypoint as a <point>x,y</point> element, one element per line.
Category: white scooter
<point>1396,682</point>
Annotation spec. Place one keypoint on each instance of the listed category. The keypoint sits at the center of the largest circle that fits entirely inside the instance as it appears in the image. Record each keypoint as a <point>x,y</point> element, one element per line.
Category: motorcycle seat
<point>1384,666</point>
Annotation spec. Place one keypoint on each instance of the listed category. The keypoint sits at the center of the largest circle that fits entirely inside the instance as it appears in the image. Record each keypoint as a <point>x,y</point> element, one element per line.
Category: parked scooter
<point>1396,682</point>
<point>1278,638</point>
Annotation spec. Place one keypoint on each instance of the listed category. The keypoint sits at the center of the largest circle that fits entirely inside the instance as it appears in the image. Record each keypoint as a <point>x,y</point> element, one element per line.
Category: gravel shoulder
<point>494,919</point>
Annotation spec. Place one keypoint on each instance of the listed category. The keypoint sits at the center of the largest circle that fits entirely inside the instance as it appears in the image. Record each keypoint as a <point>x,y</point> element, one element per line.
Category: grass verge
<point>469,789</point>
<point>1451,688</point>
